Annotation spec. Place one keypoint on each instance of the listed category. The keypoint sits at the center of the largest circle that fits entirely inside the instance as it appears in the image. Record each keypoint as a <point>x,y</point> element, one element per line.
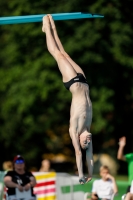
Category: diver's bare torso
<point>81,108</point>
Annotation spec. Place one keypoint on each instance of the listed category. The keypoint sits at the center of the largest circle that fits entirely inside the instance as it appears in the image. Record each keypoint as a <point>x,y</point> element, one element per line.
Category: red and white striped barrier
<point>45,188</point>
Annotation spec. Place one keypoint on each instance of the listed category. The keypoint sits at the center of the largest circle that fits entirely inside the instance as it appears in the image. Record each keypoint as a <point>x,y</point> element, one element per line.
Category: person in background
<point>126,157</point>
<point>19,178</point>
<point>129,195</point>
<point>105,187</point>
<point>46,166</point>
<point>7,166</point>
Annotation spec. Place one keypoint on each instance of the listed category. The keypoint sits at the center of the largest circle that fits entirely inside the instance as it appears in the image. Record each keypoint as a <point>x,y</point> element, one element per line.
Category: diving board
<point>38,18</point>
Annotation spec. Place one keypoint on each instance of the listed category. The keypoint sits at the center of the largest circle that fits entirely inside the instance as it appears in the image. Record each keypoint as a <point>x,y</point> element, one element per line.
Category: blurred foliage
<point>34,105</point>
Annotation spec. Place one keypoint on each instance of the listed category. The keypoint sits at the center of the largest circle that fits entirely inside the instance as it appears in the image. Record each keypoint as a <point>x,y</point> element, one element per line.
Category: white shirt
<point>104,189</point>
<point>131,188</point>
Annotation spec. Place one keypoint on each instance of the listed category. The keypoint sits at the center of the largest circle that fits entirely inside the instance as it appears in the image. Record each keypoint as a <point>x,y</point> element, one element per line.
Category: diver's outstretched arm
<point>78,154</point>
<point>89,159</point>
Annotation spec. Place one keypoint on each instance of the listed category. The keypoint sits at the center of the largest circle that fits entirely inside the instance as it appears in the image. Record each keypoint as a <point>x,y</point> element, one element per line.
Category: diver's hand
<point>88,179</point>
<point>84,180</point>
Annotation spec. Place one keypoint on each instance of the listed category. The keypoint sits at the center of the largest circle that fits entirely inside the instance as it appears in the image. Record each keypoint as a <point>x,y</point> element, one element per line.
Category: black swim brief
<point>78,78</point>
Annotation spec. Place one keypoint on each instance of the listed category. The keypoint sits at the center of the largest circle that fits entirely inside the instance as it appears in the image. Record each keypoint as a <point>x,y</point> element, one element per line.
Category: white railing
<point>63,180</point>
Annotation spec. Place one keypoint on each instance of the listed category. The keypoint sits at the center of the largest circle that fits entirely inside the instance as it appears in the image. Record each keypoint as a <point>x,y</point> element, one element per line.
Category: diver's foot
<point>51,21</point>
<point>45,23</point>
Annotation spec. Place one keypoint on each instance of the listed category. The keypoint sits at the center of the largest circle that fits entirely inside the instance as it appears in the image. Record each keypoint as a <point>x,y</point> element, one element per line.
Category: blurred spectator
<point>131,188</point>
<point>19,180</point>
<point>105,187</point>
<point>46,166</point>
<point>129,195</point>
<point>128,158</point>
<point>7,166</point>
<point>1,190</point>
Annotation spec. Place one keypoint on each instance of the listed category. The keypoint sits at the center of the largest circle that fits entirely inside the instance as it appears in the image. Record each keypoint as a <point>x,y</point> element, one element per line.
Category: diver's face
<point>85,139</point>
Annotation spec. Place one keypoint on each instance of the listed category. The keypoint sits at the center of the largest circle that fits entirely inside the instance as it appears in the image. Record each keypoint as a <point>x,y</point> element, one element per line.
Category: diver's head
<point>85,139</point>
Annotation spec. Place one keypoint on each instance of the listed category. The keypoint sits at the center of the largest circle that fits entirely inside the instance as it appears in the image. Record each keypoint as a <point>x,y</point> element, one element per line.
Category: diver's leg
<point>65,67</point>
<point>61,48</point>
